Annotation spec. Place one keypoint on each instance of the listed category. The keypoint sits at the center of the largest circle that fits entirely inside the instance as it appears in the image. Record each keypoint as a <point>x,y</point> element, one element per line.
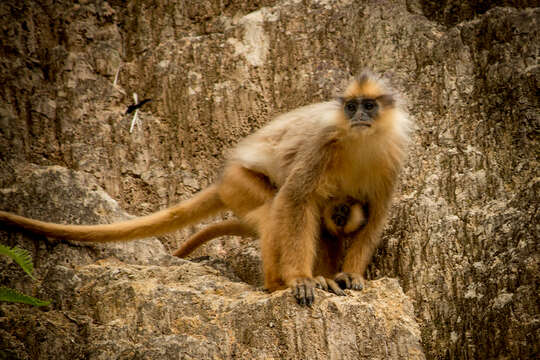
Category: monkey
<point>339,218</point>
<point>353,147</point>
<point>277,180</point>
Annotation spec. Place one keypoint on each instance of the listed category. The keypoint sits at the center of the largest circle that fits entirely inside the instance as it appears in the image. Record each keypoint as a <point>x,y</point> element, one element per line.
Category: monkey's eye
<point>369,104</point>
<point>351,107</point>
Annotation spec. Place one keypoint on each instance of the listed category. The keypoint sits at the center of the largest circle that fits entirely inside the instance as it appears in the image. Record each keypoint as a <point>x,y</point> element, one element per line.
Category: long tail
<point>202,205</point>
<point>229,227</point>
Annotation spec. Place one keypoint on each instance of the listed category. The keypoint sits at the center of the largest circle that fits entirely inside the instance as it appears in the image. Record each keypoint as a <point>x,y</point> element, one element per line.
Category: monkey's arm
<point>228,227</point>
<point>295,219</point>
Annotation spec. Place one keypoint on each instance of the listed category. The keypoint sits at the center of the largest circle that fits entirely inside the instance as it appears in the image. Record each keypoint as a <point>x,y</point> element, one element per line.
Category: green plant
<point>23,258</point>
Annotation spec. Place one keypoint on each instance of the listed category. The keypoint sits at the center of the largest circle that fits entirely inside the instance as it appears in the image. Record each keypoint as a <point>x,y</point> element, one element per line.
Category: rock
<point>115,310</point>
<point>461,238</point>
<point>64,196</point>
<point>134,300</point>
<point>463,232</point>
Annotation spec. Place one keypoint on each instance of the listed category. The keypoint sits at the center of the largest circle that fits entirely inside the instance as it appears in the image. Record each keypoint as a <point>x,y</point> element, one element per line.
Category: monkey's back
<point>272,149</point>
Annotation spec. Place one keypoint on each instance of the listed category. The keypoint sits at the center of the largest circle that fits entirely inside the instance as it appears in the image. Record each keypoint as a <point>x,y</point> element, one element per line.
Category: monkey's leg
<point>328,258</point>
<point>249,195</point>
<point>352,275</point>
<point>270,253</point>
<point>296,214</point>
<point>243,190</point>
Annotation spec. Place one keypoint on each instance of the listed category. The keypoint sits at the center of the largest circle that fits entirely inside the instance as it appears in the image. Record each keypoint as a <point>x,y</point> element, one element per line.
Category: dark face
<point>363,111</point>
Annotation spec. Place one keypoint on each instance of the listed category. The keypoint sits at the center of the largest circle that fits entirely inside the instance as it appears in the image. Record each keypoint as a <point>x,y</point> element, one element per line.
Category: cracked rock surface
<point>462,234</point>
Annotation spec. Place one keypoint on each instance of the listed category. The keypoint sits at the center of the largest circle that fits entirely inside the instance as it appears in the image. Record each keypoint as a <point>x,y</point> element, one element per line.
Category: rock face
<point>462,235</point>
<point>111,310</point>
<point>133,300</point>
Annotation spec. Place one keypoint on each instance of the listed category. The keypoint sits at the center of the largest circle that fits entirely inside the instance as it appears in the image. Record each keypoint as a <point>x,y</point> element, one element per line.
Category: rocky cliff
<point>462,238</point>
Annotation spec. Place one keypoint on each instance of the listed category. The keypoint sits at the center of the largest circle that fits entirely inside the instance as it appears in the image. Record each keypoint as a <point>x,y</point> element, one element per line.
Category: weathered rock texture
<point>111,310</point>
<point>462,239</point>
<point>133,300</point>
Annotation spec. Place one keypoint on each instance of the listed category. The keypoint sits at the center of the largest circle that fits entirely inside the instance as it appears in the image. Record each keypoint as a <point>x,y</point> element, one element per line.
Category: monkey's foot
<point>328,285</point>
<point>348,280</point>
<point>340,214</point>
<point>303,290</point>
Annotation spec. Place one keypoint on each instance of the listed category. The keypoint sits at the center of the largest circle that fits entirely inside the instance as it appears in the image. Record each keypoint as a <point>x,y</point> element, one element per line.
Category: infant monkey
<point>278,180</point>
<point>343,217</point>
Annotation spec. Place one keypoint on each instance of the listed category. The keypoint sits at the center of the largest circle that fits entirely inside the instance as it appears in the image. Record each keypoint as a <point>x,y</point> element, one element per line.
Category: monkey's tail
<point>202,205</point>
<point>229,227</point>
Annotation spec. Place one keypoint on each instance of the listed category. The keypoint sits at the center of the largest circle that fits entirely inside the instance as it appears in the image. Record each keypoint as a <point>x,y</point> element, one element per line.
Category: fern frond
<point>10,295</point>
<point>20,256</point>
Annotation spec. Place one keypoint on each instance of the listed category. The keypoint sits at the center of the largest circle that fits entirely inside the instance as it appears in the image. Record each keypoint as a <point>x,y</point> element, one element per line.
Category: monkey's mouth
<point>355,124</point>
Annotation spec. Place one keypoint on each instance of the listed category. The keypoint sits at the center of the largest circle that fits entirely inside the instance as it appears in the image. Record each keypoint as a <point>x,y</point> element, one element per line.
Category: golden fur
<point>278,181</point>
<point>234,227</point>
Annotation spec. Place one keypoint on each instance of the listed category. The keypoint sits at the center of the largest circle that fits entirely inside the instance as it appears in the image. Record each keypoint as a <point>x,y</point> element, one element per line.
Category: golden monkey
<point>278,179</point>
<point>339,218</point>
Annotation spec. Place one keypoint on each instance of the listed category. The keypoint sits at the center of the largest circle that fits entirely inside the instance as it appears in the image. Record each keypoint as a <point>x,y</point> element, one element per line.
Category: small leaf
<point>20,256</point>
<point>10,295</point>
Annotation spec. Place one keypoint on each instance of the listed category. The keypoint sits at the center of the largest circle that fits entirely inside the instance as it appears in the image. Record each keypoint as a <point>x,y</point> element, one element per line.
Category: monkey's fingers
<point>348,280</point>
<point>328,285</point>
<point>332,285</point>
<point>320,283</point>
<point>303,291</point>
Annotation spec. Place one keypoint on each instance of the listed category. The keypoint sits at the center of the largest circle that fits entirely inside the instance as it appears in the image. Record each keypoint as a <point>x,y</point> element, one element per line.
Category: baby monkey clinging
<point>278,180</point>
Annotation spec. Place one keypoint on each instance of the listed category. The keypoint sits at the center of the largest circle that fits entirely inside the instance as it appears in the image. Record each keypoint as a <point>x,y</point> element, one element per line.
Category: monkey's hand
<point>328,285</point>
<point>348,280</point>
<point>303,289</point>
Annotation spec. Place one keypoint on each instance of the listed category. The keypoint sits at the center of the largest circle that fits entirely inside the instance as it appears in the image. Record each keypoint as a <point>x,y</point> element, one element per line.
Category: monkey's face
<point>367,104</point>
<point>360,111</point>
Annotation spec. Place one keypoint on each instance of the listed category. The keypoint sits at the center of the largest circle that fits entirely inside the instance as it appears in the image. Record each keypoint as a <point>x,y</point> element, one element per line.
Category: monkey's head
<point>371,107</point>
